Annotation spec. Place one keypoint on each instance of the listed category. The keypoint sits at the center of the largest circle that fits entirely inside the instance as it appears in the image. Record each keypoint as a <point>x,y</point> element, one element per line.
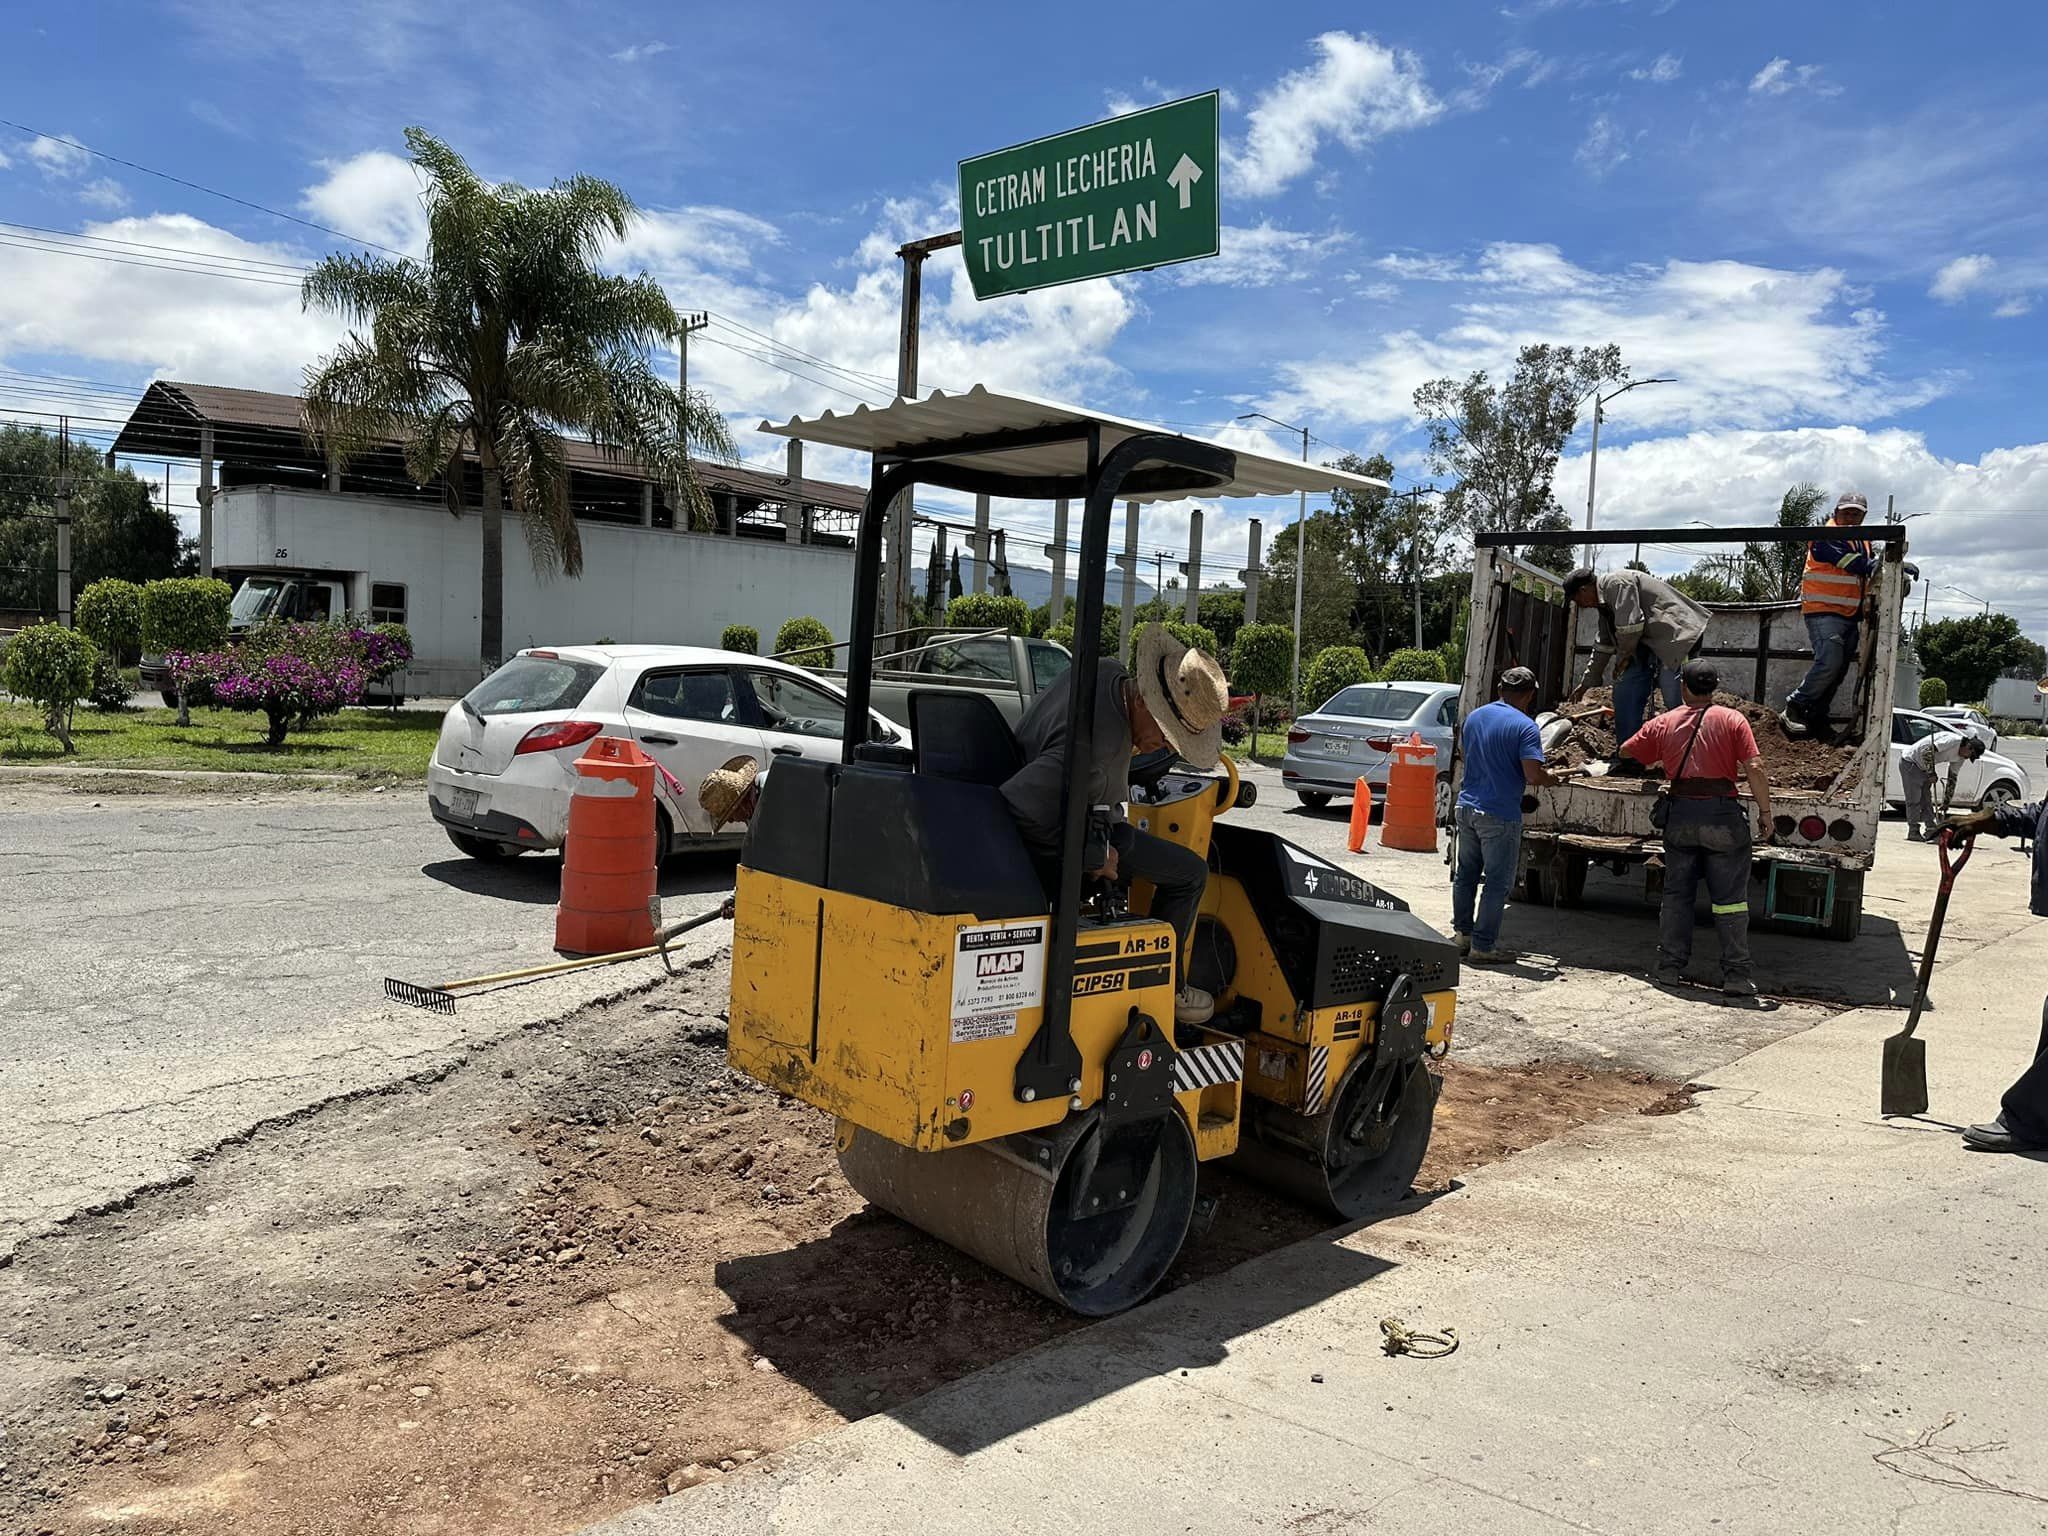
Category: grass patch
<point>1270,748</point>
<point>371,743</point>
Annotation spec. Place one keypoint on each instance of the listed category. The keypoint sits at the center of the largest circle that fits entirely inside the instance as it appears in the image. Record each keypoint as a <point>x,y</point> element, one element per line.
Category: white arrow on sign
<point>1183,177</point>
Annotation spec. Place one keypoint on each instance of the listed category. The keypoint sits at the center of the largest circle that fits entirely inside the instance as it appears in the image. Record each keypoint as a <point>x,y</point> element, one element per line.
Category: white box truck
<point>309,554</point>
<point>1809,878</point>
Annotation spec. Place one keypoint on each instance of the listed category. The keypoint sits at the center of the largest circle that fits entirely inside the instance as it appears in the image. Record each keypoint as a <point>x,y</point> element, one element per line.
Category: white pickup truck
<point>1809,877</point>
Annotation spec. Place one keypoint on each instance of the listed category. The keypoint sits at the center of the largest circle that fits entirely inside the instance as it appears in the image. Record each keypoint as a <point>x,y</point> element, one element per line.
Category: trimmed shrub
<point>1262,663</point>
<point>740,637</point>
<point>188,614</point>
<point>291,673</point>
<point>51,667</point>
<point>110,693</point>
<point>804,642</point>
<point>1334,668</point>
<point>1409,665</point>
<point>1933,692</point>
<point>984,610</point>
<point>109,613</point>
<point>1196,637</point>
<point>1112,634</point>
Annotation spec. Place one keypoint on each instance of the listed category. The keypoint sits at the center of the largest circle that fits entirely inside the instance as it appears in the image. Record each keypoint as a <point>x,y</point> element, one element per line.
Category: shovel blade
<point>1904,1090</point>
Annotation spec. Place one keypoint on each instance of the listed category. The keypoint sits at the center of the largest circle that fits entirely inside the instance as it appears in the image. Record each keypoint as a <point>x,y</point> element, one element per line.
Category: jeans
<point>1488,850</point>
<point>1706,839</point>
<point>2025,1105</point>
<point>1834,637</point>
<point>1632,687</point>
<point>1177,875</point>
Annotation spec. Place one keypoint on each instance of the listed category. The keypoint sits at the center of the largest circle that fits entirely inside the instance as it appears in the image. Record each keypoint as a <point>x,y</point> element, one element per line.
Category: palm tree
<point>504,338</point>
<point>1769,573</point>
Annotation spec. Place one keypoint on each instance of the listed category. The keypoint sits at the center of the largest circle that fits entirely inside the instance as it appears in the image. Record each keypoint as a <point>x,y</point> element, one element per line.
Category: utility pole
<point>896,527</point>
<point>1415,522</point>
<point>1058,550</point>
<point>64,521</point>
<point>1129,561</point>
<point>1593,460</point>
<point>1250,577</point>
<point>205,499</point>
<point>1193,567</point>
<point>696,320</point>
<point>981,542</point>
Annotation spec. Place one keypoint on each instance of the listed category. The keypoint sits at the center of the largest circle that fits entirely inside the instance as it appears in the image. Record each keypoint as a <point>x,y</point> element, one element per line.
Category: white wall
<point>2015,696</point>
<point>639,585</point>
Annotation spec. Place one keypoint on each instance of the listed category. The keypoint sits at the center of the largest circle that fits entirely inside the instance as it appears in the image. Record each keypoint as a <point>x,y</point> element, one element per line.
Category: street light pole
<point>1300,562</point>
<point>1593,459</point>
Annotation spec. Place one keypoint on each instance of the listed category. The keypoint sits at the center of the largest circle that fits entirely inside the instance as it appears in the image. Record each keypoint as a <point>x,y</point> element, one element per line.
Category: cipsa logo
<point>1108,981</point>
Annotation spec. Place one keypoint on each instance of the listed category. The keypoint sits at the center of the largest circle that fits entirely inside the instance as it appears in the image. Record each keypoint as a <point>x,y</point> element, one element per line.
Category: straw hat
<point>725,787</point>
<point>1186,693</point>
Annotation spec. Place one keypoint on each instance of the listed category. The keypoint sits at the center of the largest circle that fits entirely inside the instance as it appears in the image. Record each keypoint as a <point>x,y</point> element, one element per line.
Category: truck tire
<point>1535,888</point>
<point>1845,920</point>
<point>482,848</point>
<point>1314,799</point>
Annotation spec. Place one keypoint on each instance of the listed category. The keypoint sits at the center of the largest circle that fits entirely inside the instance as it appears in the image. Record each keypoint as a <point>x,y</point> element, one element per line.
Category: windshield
<point>1375,701</point>
<point>528,685</point>
<point>254,599</point>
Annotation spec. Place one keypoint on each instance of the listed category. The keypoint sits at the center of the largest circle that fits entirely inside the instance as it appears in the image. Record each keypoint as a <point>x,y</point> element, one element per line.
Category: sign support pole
<point>895,605</point>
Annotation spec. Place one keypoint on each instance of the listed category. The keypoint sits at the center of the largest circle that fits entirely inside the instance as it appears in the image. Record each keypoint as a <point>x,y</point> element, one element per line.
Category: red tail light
<point>543,655</point>
<point>1812,828</point>
<point>1381,743</point>
<point>562,733</point>
<point>1296,738</point>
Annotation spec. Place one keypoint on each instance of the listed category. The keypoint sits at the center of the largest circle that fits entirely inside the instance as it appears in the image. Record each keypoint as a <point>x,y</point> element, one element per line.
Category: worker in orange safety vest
<point>1833,597</point>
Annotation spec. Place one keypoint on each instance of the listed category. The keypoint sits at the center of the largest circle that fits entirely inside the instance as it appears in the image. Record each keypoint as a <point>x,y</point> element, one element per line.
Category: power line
<point>199,187</point>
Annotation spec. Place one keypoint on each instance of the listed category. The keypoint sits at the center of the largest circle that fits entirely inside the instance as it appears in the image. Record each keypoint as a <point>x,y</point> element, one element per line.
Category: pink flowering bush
<point>293,673</point>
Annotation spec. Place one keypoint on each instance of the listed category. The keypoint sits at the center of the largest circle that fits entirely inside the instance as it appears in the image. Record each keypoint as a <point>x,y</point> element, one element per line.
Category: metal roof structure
<point>253,426</point>
<point>1038,441</point>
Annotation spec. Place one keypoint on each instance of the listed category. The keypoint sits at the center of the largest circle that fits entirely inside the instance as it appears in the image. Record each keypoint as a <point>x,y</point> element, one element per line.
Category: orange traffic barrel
<point>1361,815</point>
<point>609,901</point>
<point>1409,820</point>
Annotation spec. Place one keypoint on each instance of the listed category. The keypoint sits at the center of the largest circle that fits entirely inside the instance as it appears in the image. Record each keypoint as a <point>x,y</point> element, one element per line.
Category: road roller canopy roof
<point>1017,445</point>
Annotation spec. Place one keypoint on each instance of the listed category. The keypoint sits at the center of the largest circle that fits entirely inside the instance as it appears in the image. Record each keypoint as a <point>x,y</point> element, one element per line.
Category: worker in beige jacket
<point>1647,628</point>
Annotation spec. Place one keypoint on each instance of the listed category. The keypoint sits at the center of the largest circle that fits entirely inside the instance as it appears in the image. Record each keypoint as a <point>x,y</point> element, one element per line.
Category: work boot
<point>1915,835</point>
<point>1997,1137</point>
<point>1191,1005</point>
<point>1493,957</point>
<point>1790,723</point>
<point>1670,976</point>
<point>1739,988</point>
<point>1464,943</point>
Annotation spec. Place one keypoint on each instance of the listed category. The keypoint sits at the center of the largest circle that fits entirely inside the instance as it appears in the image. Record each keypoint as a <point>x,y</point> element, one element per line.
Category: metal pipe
<point>886,484</point>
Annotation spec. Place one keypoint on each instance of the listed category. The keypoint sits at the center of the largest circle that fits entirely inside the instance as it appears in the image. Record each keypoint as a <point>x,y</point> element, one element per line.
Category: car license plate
<point>1336,746</point>
<point>465,803</point>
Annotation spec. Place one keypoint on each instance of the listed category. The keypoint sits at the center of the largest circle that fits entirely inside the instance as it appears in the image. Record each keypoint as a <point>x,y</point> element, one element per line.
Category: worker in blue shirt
<point>1503,754</point>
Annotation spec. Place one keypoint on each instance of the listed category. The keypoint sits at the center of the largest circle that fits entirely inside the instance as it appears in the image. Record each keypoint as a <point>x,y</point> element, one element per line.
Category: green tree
<point>1262,662</point>
<point>1933,692</point>
<point>1329,591</point>
<point>1196,637</point>
<point>804,642</point>
<point>51,667</point>
<point>1223,614</point>
<point>1502,444</point>
<point>985,610</point>
<point>1969,653</point>
<point>1111,632</point>
<point>1704,586</point>
<point>1333,669</point>
<point>109,612</point>
<point>185,613</point>
<point>116,529</point>
<point>740,637</point>
<point>505,337</point>
<point>1771,573</point>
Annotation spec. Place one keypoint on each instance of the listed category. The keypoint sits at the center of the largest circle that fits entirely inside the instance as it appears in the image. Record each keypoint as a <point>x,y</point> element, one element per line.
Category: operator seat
<point>962,737</point>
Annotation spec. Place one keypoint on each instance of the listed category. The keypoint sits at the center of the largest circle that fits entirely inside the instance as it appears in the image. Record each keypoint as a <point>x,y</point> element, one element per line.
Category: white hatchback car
<point>1991,780</point>
<point>505,766</point>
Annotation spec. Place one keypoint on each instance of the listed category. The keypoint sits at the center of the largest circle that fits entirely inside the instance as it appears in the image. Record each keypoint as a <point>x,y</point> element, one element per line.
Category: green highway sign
<point>1136,191</point>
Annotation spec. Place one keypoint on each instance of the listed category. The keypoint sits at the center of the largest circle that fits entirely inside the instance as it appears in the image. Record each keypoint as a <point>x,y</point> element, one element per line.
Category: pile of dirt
<point>601,1269</point>
<point>1792,763</point>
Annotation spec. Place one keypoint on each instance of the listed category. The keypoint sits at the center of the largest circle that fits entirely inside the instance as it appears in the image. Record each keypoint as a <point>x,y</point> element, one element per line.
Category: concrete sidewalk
<point>1726,1319</point>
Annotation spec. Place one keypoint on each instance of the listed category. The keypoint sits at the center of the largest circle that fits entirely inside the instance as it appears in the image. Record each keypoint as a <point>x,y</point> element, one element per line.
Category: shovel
<point>1904,1090</point>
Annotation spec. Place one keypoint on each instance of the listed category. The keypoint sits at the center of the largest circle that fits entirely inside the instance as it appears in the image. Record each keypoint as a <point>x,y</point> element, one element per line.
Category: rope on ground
<point>1397,1338</point>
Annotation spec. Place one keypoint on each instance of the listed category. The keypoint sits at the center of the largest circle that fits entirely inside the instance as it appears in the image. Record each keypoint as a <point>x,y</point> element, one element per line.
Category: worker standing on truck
<point>1833,596</point>
<point>1918,766</point>
<point>2022,1121</point>
<point>1503,754</point>
<point>1647,628</point>
<point>1176,698</point>
<point>1704,748</point>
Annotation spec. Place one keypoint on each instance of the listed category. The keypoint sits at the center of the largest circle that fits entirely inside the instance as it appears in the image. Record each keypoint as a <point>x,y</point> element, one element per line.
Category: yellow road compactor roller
<point>1002,1058</point>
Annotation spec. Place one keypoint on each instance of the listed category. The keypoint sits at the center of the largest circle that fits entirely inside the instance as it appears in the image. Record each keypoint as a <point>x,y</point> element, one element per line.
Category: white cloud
<point>57,157</point>
<point>1751,346</point>
<point>104,192</point>
<point>2014,307</point>
<point>1980,511</point>
<point>1433,269</point>
<point>1662,70</point>
<point>1259,256</point>
<point>633,53</point>
<point>171,324</point>
<point>1358,90</point>
<point>1482,78</point>
<point>373,196</point>
<point>1955,281</point>
<point>1150,93</point>
<point>1782,76</point>
<point>706,237</point>
<point>1603,148</point>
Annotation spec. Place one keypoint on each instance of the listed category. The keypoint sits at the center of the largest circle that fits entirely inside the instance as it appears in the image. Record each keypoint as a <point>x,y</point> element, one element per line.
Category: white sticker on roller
<point>998,968</point>
<point>983,1026</point>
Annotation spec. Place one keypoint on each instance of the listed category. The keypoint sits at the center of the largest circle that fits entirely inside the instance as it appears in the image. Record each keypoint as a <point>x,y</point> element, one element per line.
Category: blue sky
<point>1823,219</point>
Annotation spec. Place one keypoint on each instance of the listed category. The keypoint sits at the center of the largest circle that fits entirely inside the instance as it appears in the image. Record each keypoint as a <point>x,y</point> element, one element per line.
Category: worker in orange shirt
<point>1833,597</point>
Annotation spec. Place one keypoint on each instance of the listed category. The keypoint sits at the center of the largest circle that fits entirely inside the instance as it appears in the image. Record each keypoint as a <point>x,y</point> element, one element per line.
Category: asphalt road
<point>175,970</point>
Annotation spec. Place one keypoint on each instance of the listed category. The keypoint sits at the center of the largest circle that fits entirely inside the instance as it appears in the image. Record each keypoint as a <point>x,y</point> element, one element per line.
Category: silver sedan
<point>1353,736</point>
